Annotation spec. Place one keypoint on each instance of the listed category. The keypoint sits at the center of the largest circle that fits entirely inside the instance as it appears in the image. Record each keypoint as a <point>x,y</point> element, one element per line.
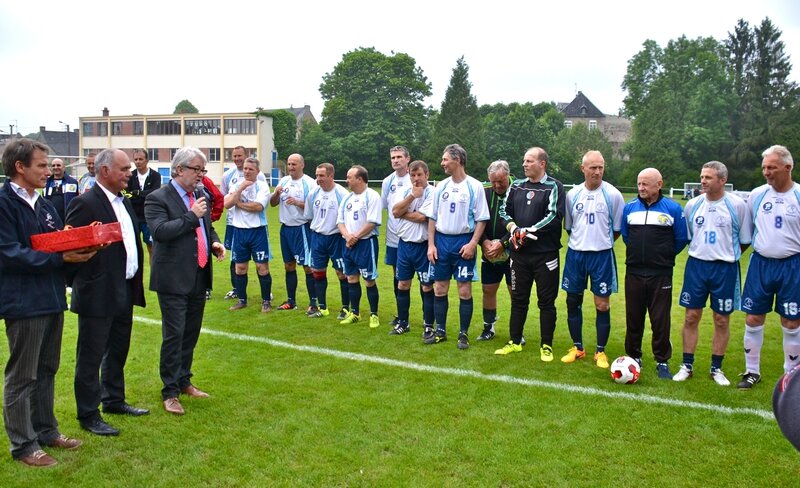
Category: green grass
<point>279,416</point>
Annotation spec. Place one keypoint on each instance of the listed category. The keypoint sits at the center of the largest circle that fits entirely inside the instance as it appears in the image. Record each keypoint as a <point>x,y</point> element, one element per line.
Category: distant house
<point>61,143</point>
<point>616,129</point>
<point>302,115</point>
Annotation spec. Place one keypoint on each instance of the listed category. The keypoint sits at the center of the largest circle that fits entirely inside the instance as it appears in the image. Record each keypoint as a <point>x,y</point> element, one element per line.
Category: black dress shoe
<point>125,409</point>
<point>98,427</point>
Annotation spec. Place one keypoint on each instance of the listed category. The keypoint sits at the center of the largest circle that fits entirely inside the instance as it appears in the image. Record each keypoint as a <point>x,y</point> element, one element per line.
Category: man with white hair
<point>773,276</point>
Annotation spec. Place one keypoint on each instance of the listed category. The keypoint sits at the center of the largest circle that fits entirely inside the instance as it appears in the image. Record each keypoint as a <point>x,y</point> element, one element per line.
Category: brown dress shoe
<point>64,442</point>
<point>173,405</point>
<point>238,306</point>
<point>194,392</point>
<point>38,459</point>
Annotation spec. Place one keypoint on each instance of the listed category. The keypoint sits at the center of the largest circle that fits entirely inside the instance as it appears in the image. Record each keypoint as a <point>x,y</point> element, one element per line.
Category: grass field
<point>307,402</point>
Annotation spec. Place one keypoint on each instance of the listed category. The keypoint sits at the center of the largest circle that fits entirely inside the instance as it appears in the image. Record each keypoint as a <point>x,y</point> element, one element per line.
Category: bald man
<point>60,188</point>
<point>654,230</point>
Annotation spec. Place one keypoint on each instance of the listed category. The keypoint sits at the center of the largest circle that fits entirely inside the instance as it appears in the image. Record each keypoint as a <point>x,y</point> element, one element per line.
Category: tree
<point>459,122</point>
<point>185,107</point>
<point>509,130</point>
<point>373,102</point>
<point>568,148</point>
<point>681,99</point>
<point>284,129</point>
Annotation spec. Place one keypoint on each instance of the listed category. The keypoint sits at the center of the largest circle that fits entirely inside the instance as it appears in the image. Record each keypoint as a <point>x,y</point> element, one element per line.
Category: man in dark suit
<point>104,290</point>
<point>143,182</point>
<point>183,241</point>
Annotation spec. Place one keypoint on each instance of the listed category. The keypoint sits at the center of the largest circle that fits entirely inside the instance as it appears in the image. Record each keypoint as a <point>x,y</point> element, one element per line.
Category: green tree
<point>568,148</point>
<point>765,97</point>
<point>459,122</point>
<point>284,129</point>
<point>373,102</point>
<point>509,130</point>
<point>185,107</point>
<point>681,99</point>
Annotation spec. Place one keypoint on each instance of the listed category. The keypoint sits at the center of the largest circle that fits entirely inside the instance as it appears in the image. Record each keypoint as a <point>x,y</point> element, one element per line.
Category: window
<point>88,129</point>
<point>568,124</point>
<point>152,154</point>
<point>240,126</point>
<point>164,127</point>
<point>592,124</point>
<point>138,128</point>
<point>208,126</point>
<point>172,153</point>
<point>116,128</point>
<point>213,154</point>
<point>102,129</point>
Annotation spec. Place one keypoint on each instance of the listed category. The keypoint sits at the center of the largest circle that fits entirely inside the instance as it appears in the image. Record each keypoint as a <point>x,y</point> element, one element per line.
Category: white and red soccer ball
<point>625,370</point>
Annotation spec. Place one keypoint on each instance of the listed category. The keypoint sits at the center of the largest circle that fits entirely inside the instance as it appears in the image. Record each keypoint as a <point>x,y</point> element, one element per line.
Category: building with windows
<point>581,110</point>
<point>162,135</point>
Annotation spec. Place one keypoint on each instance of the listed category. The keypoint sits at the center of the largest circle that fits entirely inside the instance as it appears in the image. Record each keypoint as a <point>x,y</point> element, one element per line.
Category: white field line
<point>583,390</point>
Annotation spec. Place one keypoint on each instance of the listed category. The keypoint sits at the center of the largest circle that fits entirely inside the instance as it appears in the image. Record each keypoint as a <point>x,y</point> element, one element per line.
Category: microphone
<point>199,191</point>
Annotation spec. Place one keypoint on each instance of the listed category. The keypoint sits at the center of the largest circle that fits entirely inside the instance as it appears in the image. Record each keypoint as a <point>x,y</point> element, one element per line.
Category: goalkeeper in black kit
<point>533,214</point>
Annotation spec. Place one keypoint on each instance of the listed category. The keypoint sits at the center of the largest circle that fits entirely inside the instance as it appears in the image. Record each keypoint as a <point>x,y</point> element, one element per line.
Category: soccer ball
<point>625,370</point>
<point>503,257</point>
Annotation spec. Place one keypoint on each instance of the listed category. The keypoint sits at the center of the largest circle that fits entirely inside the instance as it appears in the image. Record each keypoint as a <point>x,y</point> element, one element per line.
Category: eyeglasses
<point>197,170</point>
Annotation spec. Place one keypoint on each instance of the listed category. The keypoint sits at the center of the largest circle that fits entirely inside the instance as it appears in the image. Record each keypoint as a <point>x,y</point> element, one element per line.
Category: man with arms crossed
<point>455,224</point>
<point>720,228</point>
<point>248,203</point>
<point>32,287</point>
<point>358,220</point>
<point>773,275</point>
<point>290,196</point>
<point>322,209</point>
<point>593,221</point>
<point>412,248</point>
<point>393,189</point>
<point>230,179</point>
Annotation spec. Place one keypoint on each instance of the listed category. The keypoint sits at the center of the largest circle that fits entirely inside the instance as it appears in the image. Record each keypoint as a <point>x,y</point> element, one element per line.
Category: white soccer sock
<point>753,339</point>
<point>791,348</point>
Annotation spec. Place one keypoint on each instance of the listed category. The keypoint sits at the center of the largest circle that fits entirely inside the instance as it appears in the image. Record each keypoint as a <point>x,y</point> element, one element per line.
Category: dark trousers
<point>181,319</point>
<point>653,295</point>
<point>543,269</point>
<point>34,346</point>
<point>103,344</point>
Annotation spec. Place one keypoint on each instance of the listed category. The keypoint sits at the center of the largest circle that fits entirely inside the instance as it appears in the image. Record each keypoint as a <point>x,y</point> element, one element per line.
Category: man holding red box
<point>104,291</point>
<point>32,287</point>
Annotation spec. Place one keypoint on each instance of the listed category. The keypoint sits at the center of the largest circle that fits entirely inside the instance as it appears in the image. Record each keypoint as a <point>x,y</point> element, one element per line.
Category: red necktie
<point>202,252</point>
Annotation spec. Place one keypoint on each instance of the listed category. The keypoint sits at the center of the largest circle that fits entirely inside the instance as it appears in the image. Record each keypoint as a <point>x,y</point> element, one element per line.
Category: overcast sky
<point>62,60</point>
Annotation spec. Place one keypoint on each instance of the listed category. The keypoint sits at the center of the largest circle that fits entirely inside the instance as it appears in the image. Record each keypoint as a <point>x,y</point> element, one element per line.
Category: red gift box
<point>92,235</point>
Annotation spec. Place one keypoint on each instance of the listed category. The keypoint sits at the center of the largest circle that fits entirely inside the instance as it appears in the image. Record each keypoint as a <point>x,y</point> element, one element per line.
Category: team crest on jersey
<point>720,221</point>
<point>392,188</point>
<point>791,211</point>
<point>579,207</point>
<point>317,203</point>
<point>48,220</point>
<point>663,219</point>
<point>700,220</point>
<point>685,297</point>
<point>349,206</point>
<point>600,208</point>
<point>767,207</point>
<point>530,195</point>
<point>234,180</point>
<point>286,190</point>
<point>445,196</point>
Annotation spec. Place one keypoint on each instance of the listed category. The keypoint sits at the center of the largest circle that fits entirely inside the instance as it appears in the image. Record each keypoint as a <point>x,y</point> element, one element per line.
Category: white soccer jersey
<point>776,221</point>
<point>300,188</point>
<point>458,206</point>
<point>358,209</point>
<point>718,229</point>
<point>593,216</point>
<point>393,190</point>
<point>409,231</point>
<point>322,209</point>
<point>257,192</point>
<point>230,181</point>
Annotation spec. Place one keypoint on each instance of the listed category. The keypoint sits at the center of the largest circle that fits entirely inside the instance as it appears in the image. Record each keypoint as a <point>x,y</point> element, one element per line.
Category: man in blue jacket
<point>60,188</point>
<point>654,230</point>
<point>32,286</point>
